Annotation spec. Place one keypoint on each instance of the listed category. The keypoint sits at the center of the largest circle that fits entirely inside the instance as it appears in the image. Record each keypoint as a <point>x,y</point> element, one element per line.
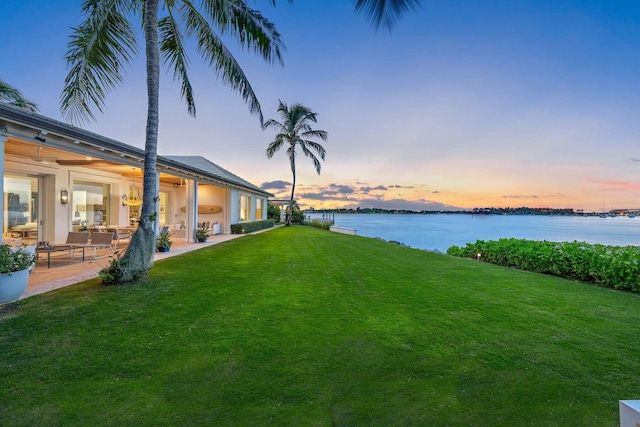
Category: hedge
<point>616,267</point>
<point>250,227</point>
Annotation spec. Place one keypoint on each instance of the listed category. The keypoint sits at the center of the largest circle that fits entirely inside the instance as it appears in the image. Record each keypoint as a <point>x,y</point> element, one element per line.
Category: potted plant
<point>163,241</point>
<point>202,233</point>
<point>14,272</point>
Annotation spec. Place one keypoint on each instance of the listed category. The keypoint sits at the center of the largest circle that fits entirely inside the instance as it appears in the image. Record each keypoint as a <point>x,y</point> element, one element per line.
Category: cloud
<point>326,196</point>
<point>275,185</point>
<point>435,192</point>
<point>513,196</point>
<point>419,205</point>
<point>367,190</point>
<point>343,189</point>
<point>633,159</point>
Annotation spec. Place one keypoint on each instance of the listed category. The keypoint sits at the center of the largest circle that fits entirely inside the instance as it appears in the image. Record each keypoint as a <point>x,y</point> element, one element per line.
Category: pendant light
<point>134,197</point>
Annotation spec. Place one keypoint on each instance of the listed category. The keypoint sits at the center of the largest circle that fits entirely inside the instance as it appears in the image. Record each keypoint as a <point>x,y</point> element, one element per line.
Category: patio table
<point>58,248</point>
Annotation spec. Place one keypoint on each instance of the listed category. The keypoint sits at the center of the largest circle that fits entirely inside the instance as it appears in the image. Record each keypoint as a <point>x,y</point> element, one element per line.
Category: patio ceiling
<point>52,155</point>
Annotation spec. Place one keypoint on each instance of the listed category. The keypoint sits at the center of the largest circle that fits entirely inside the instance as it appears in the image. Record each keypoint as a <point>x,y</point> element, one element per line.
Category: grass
<point>302,327</point>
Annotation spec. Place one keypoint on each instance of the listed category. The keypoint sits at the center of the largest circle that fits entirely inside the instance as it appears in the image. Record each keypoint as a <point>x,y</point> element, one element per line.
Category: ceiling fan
<point>41,159</point>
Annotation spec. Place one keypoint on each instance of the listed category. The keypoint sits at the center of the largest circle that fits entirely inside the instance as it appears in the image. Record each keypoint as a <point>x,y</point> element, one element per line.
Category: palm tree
<point>106,41</point>
<point>12,96</point>
<point>294,130</point>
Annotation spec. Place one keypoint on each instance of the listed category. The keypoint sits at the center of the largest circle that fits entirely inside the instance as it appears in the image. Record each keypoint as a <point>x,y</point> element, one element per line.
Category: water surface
<point>440,231</point>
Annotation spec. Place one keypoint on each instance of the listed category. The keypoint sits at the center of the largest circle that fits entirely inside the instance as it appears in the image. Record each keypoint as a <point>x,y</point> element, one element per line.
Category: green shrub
<point>616,267</point>
<point>273,212</point>
<point>325,225</point>
<point>250,227</point>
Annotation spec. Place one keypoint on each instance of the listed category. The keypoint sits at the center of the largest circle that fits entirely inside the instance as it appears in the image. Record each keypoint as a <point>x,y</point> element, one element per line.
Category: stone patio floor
<point>67,271</point>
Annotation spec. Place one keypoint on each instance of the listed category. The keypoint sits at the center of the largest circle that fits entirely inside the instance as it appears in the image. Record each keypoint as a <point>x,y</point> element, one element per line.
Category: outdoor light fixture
<point>40,136</point>
<point>64,197</point>
<point>134,197</point>
<point>479,255</point>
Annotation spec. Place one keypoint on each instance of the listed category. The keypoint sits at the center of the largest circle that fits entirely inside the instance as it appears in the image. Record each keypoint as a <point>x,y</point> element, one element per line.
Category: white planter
<point>12,285</point>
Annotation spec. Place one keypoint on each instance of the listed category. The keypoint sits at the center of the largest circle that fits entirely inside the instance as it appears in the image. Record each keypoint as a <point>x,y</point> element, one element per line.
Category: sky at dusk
<point>466,103</point>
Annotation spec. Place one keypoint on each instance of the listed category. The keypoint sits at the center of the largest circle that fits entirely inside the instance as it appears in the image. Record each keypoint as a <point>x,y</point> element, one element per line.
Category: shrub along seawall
<point>250,227</point>
<point>616,267</point>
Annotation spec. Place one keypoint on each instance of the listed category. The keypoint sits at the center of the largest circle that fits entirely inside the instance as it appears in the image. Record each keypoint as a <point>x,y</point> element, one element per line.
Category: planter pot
<point>163,249</point>
<point>202,239</point>
<point>12,285</point>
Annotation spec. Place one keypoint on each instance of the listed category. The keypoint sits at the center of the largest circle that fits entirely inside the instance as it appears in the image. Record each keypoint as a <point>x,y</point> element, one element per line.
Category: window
<point>259,209</point>
<point>244,208</point>
<point>163,208</point>
<point>21,207</point>
<point>90,204</point>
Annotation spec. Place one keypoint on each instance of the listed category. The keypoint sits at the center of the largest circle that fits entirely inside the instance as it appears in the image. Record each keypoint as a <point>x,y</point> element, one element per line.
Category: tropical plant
<point>15,259</point>
<point>202,233</point>
<point>273,212</point>
<point>295,129</point>
<point>105,42</point>
<point>12,96</point>
<point>163,240</point>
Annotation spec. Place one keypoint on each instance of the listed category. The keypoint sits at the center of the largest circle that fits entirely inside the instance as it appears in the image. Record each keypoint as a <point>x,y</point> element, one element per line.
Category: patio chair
<point>101,241</point>
<point>76,238</point>
<point>118,235</point>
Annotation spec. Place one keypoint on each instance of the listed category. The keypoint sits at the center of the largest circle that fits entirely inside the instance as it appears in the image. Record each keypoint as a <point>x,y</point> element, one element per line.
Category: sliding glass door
<point>21,207</point>
<point>90,205</point>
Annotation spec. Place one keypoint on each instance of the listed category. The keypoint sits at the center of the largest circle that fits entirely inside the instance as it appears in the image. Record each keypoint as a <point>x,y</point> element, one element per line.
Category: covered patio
<point>67,271</point>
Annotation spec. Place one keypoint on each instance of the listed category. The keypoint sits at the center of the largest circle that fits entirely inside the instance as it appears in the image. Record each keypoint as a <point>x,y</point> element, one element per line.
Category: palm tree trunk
<point>293,189</point>
<point>139,255</point>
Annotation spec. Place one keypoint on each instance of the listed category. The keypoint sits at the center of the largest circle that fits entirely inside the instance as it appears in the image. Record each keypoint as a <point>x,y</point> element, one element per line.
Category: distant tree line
<point>476,211</point>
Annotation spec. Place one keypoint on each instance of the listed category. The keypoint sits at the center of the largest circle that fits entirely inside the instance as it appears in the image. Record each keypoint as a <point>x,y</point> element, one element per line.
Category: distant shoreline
<point>481,211</point>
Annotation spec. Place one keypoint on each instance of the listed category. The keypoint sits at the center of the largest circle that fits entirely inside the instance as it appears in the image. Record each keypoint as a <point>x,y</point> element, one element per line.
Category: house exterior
<point>60,178</point>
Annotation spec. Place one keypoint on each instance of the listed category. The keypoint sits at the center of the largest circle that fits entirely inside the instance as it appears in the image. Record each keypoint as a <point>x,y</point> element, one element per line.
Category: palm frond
<point>384,13</point>
<point>291,154</point>
<point>216,54</point>
<point>272,124</point>
<point>323,135</point>
<point>13,96</point>
<point>98,50</point>
<point>277,143</point>
<point>9,93</point>
<point>305,145</point>
<point>312,145</point>
<point>253,31</point>
<point>174,55</point>
<point>25,105</point>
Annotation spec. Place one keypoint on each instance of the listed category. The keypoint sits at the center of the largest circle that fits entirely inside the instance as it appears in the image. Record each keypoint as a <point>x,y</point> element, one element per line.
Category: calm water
<point>439,231</point>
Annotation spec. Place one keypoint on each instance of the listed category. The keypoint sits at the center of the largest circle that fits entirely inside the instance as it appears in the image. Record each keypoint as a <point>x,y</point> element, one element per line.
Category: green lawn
<point>303,327</point>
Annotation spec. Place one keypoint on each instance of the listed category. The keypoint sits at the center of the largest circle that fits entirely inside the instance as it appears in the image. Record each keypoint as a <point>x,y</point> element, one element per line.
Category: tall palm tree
<point>106,41</point>
<point>12,96</point>
<point>294,130</point>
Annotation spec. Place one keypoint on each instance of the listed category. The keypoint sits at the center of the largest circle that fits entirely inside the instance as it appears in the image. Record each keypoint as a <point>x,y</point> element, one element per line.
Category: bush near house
<point>250,227</point>
<point>273,212</point>
<point>614,267</point>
